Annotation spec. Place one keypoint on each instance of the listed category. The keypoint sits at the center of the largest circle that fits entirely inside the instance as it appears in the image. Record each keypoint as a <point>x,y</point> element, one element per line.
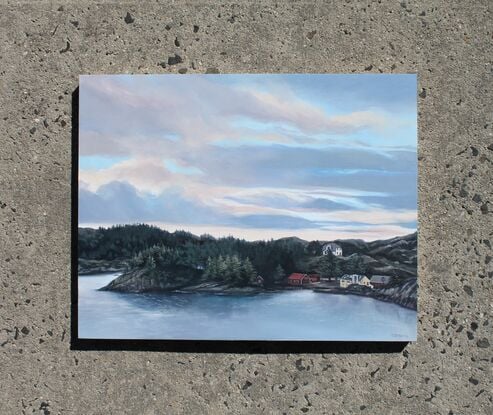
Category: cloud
<point>101,143</point>
<point>113,110</point>
<point>289,109</point>
<point>146,174</point>
<point>246,153</point>
<point>274,222</point>
<point>122,202</point>
<point>325,204</point>
<point>288,167</point>
<point>397,199</point>
<point>282,171</point>
<point>116,202</point>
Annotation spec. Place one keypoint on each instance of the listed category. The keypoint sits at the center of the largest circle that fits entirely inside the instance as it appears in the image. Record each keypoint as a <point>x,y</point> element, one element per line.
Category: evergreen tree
<point>150,262</point>
<point>228,267</point>
<point>211,268</point>
<point>221,268</point>
<point>279,274</point>
<point>337,271</point>
<point>235,269</point>
<point>248,274</point>
<point>325,266</point>
<point>314,248</point>
<point>355,265</point>
<point>361,267</point>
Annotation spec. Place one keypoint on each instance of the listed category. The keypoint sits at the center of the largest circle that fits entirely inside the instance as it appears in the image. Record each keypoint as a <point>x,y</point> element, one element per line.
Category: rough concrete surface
<point>45,45</point>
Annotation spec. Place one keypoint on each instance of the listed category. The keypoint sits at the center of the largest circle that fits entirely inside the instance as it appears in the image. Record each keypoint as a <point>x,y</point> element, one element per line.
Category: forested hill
<point>182,253</point>
<point>147,246</point>
<point>125,241</point>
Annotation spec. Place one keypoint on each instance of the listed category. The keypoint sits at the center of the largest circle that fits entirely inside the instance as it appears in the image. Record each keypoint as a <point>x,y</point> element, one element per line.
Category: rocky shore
<point>140,281</point>
<point>404,294</point>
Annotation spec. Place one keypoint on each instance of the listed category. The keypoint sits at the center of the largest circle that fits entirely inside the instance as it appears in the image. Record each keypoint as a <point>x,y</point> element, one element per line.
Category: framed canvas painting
<point>247,207</point>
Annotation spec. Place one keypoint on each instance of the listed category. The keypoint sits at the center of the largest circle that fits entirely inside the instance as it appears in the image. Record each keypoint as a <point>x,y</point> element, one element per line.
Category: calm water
<point>291,315</point>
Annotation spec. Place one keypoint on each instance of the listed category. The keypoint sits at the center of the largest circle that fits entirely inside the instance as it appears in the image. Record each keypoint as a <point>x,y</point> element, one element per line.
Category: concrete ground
<point>45,45</point>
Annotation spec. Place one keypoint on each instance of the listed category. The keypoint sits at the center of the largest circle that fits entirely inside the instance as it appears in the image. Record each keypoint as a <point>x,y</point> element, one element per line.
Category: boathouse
<point>298,279</point>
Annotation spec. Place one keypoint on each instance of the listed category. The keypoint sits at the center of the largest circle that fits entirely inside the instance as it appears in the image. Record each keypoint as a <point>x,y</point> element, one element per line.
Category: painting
<point>265,207</point>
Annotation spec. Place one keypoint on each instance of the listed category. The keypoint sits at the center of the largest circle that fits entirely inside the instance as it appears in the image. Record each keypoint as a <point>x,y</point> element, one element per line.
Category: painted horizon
<point>264,157</point>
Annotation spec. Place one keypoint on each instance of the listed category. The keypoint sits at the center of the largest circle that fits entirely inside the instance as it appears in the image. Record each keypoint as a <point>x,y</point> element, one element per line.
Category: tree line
<point>231,269</point>
<point>330,266</point>
<point>226,259</point>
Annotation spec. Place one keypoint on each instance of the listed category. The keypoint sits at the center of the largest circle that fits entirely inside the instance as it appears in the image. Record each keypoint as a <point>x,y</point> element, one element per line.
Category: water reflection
<point>292,315</point>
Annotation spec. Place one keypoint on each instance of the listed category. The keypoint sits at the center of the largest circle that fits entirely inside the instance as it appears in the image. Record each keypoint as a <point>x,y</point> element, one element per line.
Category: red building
<point>298,279</point>
<point>314,277</point>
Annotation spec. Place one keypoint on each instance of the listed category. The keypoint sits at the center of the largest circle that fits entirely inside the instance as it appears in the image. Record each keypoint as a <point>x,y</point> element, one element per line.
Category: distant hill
<point>294,239</point>
<point>396,256</point>
<point>151,258</point>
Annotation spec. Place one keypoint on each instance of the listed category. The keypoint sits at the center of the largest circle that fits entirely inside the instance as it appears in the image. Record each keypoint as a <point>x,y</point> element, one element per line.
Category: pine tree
<point>227,269</point>
<point>150,263</point>
<point>337,272</point>
<point>279,274</point>
<point>221,268</point>
<point>361,267</point>
<point>235,269</point>
<point>326,266</point>
<point>248,272</point>
<point>210,268</point>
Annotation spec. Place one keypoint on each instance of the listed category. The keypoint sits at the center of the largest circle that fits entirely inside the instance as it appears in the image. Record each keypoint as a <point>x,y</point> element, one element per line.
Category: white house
<point>332,247</point>
<point>347,280</point>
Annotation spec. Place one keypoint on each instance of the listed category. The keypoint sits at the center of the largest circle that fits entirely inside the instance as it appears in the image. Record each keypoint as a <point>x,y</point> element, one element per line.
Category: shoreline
<point>221,289</point>
<point>374,295</point>
<point>252,291</point>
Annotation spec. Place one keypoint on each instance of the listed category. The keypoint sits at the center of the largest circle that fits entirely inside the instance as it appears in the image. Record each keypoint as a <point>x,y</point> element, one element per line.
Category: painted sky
<point>253,156</point>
